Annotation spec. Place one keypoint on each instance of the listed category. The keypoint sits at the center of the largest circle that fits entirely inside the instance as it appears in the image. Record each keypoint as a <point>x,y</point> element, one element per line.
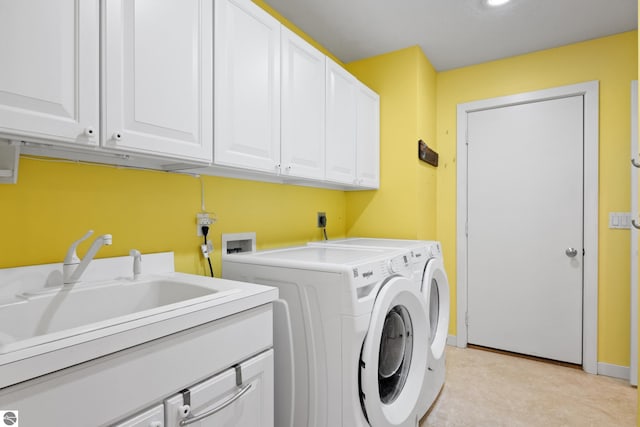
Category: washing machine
<point>345,330</point>
<point>429,275</point>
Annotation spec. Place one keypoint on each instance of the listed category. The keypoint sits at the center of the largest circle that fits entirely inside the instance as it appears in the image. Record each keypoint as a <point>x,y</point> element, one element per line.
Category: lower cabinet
<point>241,396</point>
<point>146,385</point>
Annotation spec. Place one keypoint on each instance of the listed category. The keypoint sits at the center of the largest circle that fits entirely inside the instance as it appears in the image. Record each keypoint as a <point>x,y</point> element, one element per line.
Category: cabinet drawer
<point>220,400</point>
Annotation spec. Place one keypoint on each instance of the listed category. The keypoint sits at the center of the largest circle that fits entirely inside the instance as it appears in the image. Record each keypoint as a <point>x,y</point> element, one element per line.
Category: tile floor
<point>487,389</point>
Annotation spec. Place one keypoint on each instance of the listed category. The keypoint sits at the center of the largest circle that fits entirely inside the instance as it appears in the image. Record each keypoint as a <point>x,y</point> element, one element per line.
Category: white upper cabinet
<point>158,77</point>
<point>49,85</point>
<point>368,137</point>
<point>247,87</point>
<point>341,114</point>
<point>303,108</point>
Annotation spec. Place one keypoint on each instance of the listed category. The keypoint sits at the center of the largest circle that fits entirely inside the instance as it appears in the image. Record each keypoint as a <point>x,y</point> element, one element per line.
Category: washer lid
<point>394,355</point>
<point>435,288</point>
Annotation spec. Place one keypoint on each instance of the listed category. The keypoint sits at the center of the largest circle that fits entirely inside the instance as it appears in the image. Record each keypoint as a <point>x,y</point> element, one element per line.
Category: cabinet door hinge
<point>466,318</point>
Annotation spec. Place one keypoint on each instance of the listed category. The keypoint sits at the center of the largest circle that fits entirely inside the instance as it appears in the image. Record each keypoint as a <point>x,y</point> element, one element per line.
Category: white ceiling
<point>455,33</point>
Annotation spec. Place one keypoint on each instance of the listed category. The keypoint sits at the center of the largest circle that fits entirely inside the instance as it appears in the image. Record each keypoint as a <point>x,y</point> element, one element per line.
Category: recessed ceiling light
<point>495,3</point>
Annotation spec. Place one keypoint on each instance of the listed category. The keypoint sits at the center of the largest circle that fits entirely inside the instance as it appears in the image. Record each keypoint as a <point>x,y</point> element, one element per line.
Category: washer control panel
<point>369,274</point>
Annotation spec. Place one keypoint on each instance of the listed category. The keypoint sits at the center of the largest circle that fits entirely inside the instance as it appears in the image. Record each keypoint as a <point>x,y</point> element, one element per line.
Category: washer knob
<point>390,267</point>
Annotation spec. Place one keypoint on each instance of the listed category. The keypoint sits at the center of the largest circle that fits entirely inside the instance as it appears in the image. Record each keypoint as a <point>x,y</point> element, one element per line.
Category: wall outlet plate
<point>322,220</point>
<point>204,218</point>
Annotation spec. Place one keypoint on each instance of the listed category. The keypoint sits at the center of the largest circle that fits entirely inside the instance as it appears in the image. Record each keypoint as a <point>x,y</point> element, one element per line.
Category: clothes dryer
<point>429,275</point>
<point>345,341</point>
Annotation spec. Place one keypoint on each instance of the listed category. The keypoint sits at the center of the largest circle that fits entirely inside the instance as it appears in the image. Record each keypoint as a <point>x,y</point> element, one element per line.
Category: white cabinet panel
<point>49,80</point>
<point>247,87</point>
<point>303,112</point>
<point>341,115</point>
<point>153,417</point>
<point>368,138</point>
<point>158,77</point>
<point>221,401</point>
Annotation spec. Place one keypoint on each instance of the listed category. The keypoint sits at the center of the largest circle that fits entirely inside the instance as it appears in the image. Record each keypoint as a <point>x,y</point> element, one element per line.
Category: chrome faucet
<point>73,267</point>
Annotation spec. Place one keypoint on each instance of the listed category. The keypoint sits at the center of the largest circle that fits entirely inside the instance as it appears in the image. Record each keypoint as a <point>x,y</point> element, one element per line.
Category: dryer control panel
<point>399,264</point>
<point>367,277</point>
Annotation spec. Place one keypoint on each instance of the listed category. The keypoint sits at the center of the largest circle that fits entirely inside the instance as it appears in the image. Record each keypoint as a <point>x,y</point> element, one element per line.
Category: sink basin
<point>43,316</point>
<point>46,326</point>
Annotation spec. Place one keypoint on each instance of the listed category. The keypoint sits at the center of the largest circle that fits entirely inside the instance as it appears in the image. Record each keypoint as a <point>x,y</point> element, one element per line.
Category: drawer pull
<point>196,418</point>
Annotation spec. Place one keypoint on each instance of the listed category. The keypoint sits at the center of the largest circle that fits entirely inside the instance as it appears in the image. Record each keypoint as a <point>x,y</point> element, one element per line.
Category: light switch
<point>619,220</point>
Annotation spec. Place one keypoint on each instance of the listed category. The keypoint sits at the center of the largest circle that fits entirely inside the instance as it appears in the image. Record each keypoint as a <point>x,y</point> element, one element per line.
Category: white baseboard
<point>614,371</point>
<point>452,340</point>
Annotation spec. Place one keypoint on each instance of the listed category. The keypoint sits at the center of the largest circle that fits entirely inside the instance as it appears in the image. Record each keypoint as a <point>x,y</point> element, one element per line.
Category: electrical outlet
<point>322,220</point>
<point>204,218</point>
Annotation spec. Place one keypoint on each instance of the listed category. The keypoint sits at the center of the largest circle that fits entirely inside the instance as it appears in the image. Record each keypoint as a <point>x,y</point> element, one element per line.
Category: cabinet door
<point>247,87</point>
<point>219,401</point>
<point>158,77</point>
<point>368,138</point>
<point>341,111</point>
<point>303,92</point>
<point>49,84</point>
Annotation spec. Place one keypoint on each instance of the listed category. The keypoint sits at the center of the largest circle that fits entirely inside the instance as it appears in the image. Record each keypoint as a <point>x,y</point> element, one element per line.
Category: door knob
<point>571,252</point>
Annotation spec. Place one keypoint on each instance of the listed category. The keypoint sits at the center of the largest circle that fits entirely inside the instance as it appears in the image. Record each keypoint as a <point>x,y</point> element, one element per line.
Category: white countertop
<point>41,356</point>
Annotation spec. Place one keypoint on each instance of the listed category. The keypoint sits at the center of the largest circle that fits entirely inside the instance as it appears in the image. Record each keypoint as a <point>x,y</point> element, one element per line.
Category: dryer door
<point>394,357</point>
<point>435,288</point>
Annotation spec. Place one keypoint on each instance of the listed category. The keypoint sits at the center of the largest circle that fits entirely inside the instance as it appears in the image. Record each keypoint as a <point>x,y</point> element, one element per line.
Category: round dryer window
<point>393,363</point>
<point>394,357</point>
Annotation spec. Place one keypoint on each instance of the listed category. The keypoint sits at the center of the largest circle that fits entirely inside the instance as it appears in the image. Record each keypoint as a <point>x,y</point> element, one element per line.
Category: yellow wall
<point>55,203</point>
<point>614,62</point>
<point>404,206</point>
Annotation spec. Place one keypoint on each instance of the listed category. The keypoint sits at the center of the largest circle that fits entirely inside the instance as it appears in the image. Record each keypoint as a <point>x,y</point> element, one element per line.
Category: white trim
<point>452,340</point>
<point>590,91</point>
<point>633,374</point>
<point>614,371</point>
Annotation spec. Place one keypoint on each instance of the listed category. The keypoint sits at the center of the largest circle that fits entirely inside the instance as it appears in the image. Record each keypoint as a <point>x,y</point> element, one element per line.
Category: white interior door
<point>525,228</point>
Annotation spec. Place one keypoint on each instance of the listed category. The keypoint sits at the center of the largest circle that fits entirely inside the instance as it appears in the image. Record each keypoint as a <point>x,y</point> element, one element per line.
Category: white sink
<point>47,315</point>
<point>45,327</point>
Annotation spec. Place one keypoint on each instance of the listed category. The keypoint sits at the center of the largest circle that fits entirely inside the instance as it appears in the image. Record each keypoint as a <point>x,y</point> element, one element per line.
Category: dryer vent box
<point>238,243</point>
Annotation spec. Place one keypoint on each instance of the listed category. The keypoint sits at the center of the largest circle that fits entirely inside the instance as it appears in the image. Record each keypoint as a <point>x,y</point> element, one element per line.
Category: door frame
<point>590,92</point>
<point>633,365</point>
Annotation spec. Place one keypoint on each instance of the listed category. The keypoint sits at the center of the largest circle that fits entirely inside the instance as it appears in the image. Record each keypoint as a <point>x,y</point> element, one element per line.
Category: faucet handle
<point>72,256</point>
